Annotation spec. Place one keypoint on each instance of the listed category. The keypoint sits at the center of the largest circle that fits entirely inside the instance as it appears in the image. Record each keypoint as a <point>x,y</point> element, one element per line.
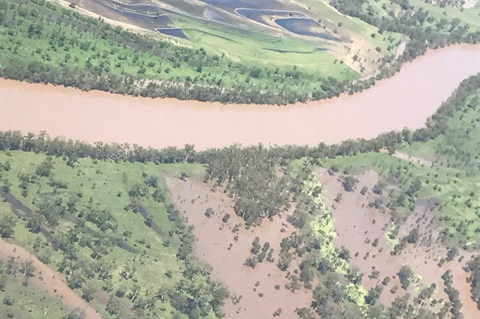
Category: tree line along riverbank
<point>74,149</point>
<point>44,42</point>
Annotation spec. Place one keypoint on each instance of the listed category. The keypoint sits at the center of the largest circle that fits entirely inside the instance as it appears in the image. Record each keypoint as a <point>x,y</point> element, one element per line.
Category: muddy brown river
<point>405,100</point>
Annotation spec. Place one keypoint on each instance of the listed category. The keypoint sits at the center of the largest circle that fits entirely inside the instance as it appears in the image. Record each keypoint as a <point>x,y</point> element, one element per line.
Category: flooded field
<point>160,16</point>
<point>358,227</point>
<point>259,14</point>
<point>256,4</point>
<point>405,100</point>
<point>146,16</point>
<point>254,291</point>
<point>363,229</point>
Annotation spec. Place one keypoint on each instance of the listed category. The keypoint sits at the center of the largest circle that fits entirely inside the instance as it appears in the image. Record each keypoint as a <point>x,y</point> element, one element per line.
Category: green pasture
<point>29,302</point>
<point>105,185</point>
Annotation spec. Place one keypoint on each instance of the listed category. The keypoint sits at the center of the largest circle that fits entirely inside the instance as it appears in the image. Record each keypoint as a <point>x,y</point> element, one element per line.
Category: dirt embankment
<point>47,279</point>
<point>362,229</point>
<point>218,246</point>
<point>413,159</point>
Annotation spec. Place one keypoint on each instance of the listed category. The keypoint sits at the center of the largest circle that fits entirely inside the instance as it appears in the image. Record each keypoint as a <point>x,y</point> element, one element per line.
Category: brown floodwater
<point>358,225</point>
<point>405,100</point>
<point>218,246</point>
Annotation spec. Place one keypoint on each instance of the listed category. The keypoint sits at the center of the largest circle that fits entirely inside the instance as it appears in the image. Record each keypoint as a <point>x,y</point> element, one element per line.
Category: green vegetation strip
<point>322,226</point>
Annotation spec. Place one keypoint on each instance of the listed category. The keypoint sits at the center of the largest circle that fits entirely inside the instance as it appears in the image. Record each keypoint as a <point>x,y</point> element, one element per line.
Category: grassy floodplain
<point>109,228</point>
<point>238,61</point>
<point>44,42</point>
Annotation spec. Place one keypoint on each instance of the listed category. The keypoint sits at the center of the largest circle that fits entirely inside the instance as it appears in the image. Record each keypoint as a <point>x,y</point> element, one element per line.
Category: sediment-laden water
<point>405,100</point>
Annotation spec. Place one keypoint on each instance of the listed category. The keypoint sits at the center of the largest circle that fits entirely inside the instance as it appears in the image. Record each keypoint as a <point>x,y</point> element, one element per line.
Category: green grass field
<point>143,276</point>
<point>27,301</point>
<point>36,45</point>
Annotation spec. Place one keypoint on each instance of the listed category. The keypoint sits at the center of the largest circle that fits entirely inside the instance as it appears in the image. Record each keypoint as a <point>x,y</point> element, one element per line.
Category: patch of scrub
<point>304,26</point>
<point>322,226</point>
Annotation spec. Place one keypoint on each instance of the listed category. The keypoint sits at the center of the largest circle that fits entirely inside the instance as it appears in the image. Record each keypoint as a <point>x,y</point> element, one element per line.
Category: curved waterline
<point>304,26</point>
<point>405,100</point>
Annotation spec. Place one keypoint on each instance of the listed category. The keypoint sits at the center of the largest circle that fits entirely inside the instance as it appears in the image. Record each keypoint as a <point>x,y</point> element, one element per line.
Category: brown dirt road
<point>47,279</point>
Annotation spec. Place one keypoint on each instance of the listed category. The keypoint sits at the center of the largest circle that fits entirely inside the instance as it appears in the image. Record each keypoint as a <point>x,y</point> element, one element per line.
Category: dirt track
<point>47,279</point>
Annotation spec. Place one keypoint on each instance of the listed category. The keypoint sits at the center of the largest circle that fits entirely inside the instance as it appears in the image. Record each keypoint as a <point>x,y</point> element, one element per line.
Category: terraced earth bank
<point>157,14</point>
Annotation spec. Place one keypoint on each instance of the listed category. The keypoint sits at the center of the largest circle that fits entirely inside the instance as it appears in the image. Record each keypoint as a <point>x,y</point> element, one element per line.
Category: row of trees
<point>436,125</point>
<point>250,174</point>
<point>453,296</point>
<point>474,266</point>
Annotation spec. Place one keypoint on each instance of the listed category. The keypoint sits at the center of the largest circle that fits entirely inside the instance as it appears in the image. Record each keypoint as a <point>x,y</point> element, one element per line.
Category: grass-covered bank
<point>44,42</point>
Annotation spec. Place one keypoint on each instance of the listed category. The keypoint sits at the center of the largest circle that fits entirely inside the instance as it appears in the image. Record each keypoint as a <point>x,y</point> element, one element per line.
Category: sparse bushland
<point>110,229</point>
